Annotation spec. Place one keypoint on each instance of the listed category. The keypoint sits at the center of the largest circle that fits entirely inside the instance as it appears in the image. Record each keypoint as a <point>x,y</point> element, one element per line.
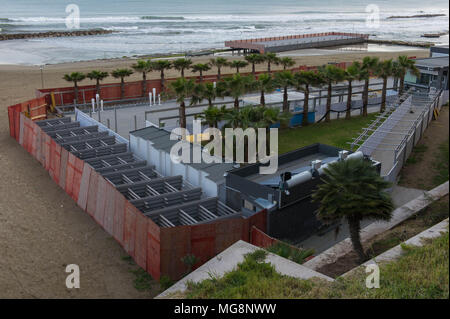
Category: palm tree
<point>211,116</point>
<point>369,65</point>
<point>201,67</point>
<point>121,74</point>
<point>143,67</point>
<point>75,77</point>
<point>384,70</point>
<point>236,86</point>
<point>404,65</point>
<point>330,74</point>
<point>284,80</point>
<point>286,62</point>
<point>273,115</point>
<point>97,76</point>
<point>353,190</point>
<point>264,84</point>
<point>351,74</point>
<point>219,63</point>
<point>161,65</point>
<point>182,89</point>
<point>271,58</point>
<point>303,80</point>
<point>254,59</point>
<point>182,64</point>
<point>209,92</point>
<point>238,64</point>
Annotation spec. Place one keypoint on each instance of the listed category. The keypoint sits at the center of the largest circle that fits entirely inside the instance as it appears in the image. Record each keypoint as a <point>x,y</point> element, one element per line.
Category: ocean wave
<point>161,18</point>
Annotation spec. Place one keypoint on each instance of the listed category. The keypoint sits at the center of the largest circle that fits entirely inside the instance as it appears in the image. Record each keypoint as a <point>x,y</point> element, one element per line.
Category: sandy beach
<point>41,228</point>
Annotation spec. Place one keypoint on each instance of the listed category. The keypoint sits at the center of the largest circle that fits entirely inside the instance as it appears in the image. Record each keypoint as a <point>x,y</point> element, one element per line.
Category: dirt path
<point>419,171</point>
<point>42,230</point>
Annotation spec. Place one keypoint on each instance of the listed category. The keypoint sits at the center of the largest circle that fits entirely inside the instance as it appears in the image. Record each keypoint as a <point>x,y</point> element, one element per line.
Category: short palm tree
<point>143,67</point>
<point>303,81</point>
<point>353,190</point>
<point>284,80</point>
<point>209,93</point>
<point>182,64</point>
<point>273,115</point>
<point>122,74</point>
<point>384,70</point>
<point>352,73</point>
<point>161,66</point>
<point>75,77</point>
<point>236,86</point>
<point>219,63</point>
<point>211,116</point>
<point>254,59</point>
<point>330,74</point>
<point>264,84</point>
<point>368,67</point>
<point>97,76</point>
<point>200,68</point>
<point>271,58</point>
<point>238,64</point>
<point>183,90</point>
<point>405,64</point>
<point>286,62</point>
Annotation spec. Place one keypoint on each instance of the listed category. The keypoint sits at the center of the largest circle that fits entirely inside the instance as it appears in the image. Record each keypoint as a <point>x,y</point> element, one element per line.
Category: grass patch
<point>422,272</point>
<point>424,219</point>
<point>417,154</point>
<point>143,281</point>
<point>336,133</point>
<point>441,164</point>
<point>292,253</point>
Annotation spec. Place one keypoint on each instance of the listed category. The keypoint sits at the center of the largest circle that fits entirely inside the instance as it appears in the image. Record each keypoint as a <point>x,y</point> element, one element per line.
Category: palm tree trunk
<point>144,83</point>
<point>210,102</point>
<point>268,66</point>
<point>182,115</point>
<point>237,70</point>
<point>348,112</point>
<point>218,74</point>
<point>328,111</point>
<point>262,99</point>
<point>285,100</point>
<point>182,73</point>
<point>253,69</point>
<point>201,76</point>
<point>402,85</point>
<point>97,86</point>
<point>122,88</point>
<point>305,107</point>
<point>236,103</point>
<point>354,228</point>
<point>75,91</point>
<point>162,80</point>
<point>365,97</point>
<point>383,95</point>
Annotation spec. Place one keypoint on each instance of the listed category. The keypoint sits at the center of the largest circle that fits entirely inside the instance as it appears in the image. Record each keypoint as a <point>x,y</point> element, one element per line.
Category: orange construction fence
<point>157,250</point>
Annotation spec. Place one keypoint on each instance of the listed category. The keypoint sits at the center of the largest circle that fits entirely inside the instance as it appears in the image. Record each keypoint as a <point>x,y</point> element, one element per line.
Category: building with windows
<point>433,74</point>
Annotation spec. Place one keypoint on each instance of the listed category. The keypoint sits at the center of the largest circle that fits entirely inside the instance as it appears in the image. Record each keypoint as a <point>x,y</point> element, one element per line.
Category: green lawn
<point>422,272</point>
<point>336,133</point>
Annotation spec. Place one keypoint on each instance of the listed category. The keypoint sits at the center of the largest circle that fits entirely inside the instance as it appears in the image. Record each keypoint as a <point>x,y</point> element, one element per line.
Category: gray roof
<point>161,140</point>
<point>435,62</point>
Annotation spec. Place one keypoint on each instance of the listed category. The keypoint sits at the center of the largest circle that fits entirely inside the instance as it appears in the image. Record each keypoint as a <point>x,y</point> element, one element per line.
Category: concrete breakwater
<point>53,34</point>
<point>400,42</point>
